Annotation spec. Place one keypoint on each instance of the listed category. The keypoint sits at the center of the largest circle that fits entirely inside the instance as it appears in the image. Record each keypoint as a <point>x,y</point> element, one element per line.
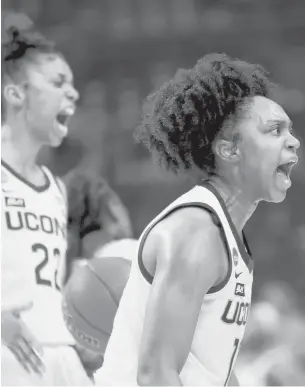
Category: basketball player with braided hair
<point>38,98</point>
<point>184,310</point>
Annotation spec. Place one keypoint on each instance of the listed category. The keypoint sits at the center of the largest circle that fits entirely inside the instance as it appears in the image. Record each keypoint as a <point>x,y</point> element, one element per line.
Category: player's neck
<point>18,149</point>
<point>239,206</point>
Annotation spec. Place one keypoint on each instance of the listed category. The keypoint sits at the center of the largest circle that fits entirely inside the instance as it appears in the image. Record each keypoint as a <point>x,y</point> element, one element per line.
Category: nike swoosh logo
<point>238,274</point>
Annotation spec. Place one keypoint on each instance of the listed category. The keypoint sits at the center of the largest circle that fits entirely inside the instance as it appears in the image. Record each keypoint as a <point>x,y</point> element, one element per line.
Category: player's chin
<point>57,135</point>
<point>276,196</point>
<point>279,199</point>
<point>277,188</point>
<point>56,142</point>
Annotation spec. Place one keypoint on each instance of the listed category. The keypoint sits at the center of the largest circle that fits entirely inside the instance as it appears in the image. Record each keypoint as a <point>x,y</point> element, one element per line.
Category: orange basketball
<point>91,299</point>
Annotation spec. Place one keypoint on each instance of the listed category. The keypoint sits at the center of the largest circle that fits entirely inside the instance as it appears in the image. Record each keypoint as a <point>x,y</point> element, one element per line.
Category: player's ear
<point>227,150</point>
<point>14,95</point>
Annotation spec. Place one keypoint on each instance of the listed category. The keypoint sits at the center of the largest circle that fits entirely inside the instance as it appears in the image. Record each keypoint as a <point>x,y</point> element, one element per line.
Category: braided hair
<point>21,44</point>
<point>20,41</point>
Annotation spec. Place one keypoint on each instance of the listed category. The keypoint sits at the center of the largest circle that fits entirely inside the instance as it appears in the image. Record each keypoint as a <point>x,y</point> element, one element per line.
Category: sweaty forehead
<point>264,109</point>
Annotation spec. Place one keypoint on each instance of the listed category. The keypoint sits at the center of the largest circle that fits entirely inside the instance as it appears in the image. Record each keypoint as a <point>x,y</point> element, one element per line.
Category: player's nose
<point>292,142</point>
<point>72,93</point>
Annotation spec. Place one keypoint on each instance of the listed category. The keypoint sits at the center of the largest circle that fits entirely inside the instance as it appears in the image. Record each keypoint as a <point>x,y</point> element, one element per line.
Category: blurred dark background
<point>121,50</point>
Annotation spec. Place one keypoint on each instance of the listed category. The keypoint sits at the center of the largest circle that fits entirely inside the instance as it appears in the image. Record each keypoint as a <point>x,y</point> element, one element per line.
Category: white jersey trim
<point>16,175</point>
<point>149,278</point>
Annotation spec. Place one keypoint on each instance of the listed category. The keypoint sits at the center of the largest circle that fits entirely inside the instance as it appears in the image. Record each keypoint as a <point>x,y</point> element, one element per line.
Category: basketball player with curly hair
<point>38,98</point>
<point>184,310</point>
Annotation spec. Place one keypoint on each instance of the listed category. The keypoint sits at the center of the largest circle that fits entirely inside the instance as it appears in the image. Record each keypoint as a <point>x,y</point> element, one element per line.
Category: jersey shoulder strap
<point>206,197</point>
<point>57,182</point>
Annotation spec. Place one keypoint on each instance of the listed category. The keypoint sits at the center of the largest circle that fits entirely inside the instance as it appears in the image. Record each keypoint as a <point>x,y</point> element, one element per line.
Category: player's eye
<point>276,129</point>
<point>58,83</point>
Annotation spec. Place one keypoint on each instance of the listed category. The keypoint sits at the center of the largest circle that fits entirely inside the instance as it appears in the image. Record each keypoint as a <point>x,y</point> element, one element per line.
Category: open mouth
<point>285,169</point>
<point>63,118</point>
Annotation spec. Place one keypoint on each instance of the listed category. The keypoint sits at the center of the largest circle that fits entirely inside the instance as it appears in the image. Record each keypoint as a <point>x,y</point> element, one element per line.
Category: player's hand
<point>18,338</point>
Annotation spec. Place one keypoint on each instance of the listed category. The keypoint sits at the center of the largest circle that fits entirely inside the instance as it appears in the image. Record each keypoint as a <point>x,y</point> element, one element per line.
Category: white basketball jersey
<point>34,240</point>
<point>222,320</point>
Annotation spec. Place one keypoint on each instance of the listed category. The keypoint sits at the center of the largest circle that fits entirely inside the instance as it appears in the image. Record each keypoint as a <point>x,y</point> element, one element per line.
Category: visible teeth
<point>69,111</point>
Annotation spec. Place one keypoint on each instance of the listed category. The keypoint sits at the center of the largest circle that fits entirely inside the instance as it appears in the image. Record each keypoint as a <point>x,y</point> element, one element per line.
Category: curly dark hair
<point>182,119</point>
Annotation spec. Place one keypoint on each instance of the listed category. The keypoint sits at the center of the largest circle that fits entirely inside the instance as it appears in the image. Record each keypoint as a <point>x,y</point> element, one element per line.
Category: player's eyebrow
<point>65,78</point>
<point>280,122</point>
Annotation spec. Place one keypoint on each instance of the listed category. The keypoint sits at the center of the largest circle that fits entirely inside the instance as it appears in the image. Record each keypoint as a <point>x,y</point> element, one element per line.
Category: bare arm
<point>187,249</point>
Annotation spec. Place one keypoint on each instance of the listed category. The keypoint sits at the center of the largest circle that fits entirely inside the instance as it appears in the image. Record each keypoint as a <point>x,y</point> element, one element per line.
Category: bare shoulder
<point>185,225</point>
<point>189,238</point>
